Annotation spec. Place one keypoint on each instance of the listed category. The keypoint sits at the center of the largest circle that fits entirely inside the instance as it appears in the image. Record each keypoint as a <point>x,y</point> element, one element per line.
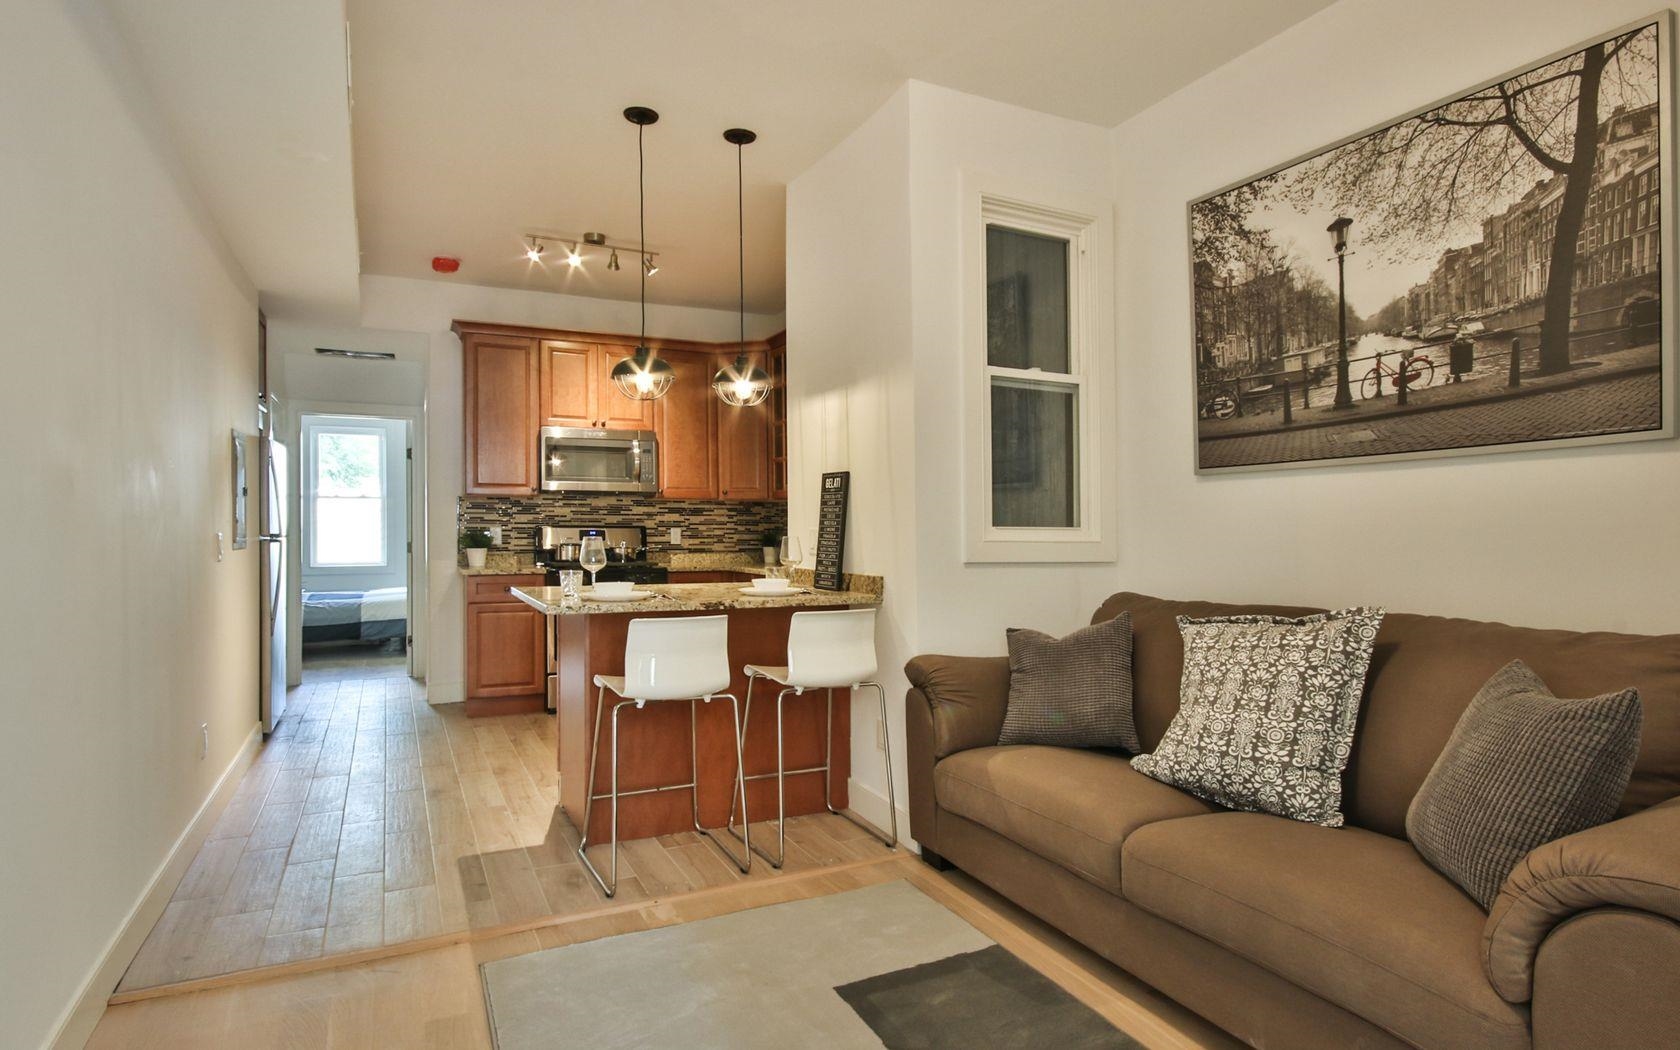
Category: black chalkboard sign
<point>831,530</point>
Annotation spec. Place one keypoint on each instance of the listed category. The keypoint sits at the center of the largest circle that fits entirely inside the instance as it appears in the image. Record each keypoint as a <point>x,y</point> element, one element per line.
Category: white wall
<point>130,356</point>
<point>405,305</point>
<point>875,303</point>
<point>1581,538</point>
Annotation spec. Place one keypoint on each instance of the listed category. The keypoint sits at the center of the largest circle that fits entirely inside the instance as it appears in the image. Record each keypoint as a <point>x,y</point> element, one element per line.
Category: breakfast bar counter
<point>588,640</point>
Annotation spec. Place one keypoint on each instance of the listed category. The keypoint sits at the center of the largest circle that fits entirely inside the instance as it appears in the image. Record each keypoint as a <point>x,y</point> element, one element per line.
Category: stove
<point>626,553</point>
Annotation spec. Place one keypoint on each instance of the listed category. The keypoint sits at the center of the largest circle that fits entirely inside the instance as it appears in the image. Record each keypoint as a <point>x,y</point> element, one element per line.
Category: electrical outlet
<point>880,734</point>
<point>496,535</point>
<point>676,537</point>
<point>204,741</point>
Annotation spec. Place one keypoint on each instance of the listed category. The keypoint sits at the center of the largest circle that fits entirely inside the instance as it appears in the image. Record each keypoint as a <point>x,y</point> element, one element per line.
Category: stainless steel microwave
<point>581,459</point>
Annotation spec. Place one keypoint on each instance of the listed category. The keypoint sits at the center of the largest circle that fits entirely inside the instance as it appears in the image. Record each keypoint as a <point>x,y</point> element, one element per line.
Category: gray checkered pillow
<point>1521,768</point>
<point>1266,712</point>
<point>1074,691</point>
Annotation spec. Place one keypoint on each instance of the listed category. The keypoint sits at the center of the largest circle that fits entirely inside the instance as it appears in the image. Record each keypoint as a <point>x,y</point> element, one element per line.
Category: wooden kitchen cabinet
<point>506,657</point>
<point>500,381</point>
<point>743,444</point>
<point>777,366</point>
<point>686,420</point>
<point>578,390</point>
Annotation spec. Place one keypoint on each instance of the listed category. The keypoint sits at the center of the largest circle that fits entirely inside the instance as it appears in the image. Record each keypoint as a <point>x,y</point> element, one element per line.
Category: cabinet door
<point>505,651</point>
<point>687,427</point>
<point>616,411</point>
<point>743,445</point>
<point>568,383</point>
<point>500,416</point>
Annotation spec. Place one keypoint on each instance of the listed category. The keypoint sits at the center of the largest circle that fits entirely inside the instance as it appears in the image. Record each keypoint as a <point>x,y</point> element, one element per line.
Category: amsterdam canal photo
<point>1479,276</point>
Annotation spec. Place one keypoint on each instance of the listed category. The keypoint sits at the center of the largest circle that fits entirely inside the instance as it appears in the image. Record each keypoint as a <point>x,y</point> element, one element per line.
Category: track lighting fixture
<point>534,251</point>
<point>574,258</point>
<point>742,384</point>
<point>612,260</point>
<point>575,252</point>
<point>642,376</point>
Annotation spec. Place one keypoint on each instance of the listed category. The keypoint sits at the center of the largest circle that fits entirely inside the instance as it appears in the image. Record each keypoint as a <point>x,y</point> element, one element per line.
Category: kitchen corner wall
<point>707,525</point>
<point>430,307</point>
<point>872,390</point>
<point>1578,538</point>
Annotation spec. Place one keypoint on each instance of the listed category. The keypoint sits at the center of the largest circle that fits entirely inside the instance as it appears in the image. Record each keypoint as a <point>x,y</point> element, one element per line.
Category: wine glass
<point>593,556</point>
<point>791,555</point>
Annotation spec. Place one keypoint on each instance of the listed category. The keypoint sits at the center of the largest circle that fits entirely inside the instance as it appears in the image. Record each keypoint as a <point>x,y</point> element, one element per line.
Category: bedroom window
<point>347,490</point>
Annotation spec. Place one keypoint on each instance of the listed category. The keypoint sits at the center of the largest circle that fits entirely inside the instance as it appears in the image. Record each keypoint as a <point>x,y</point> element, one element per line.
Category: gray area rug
<point>883,966</point>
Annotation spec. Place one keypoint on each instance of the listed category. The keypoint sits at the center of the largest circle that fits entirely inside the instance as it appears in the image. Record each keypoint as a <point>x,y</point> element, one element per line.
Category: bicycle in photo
<point>1419,369</point>
<point>1217,405</point>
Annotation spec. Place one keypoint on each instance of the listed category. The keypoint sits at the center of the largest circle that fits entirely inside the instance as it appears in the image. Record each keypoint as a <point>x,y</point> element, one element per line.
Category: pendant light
<point>742,384</point>
<point>641,376</point>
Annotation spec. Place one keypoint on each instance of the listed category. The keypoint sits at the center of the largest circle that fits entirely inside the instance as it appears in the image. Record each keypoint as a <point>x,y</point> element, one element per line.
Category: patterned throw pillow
<point>1074,691</point>
<point>1521,768</point>
<point>1267,708</point>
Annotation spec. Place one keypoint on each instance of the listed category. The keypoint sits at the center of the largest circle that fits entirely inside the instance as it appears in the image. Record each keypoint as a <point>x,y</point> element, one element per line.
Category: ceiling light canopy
<point>742,384</point>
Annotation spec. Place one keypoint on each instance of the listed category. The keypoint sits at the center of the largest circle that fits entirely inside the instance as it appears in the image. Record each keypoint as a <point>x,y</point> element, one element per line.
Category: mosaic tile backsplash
<point>708,525</point>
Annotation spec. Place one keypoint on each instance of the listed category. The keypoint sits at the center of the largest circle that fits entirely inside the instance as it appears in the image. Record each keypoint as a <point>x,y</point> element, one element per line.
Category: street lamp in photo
<point>1339,238</point>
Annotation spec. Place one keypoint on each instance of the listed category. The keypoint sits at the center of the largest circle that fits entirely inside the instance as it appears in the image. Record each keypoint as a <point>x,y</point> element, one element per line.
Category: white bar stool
<point>826,650</point>
<point>674,658</point>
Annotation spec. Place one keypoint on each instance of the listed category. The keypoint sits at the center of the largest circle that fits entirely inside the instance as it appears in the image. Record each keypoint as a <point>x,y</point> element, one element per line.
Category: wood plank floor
<point>433,999</point>
<point>371,818</point>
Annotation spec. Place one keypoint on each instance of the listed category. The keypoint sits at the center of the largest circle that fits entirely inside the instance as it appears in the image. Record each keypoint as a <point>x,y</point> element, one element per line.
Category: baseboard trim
<point>871,805</point>
<point>75,1026</point>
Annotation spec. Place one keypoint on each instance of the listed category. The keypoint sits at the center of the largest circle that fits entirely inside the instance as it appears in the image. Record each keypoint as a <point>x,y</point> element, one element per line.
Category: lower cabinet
<point>506,658</point>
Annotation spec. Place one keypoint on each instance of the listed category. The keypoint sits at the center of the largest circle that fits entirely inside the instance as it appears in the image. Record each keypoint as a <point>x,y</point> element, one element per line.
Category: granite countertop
<point>691,597</point>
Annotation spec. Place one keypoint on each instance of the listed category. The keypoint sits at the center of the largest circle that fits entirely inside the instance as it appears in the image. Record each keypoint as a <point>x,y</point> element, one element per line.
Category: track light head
<point>534,252</point>
<point>612,260</point>
<point>648,267</point>
<point>574,258</point>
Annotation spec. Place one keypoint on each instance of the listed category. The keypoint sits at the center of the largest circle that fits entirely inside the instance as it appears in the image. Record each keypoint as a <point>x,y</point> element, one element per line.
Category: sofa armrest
<point>966,696</point>
<point>1631,863</point>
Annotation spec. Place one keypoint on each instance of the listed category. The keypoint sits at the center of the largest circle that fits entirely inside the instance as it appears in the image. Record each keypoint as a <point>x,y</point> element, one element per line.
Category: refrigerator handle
<point>274,602</point>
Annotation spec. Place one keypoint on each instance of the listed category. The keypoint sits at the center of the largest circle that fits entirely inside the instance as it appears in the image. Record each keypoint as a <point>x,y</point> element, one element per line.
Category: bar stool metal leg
<point>739,789</point>
<point>744,859</point>
<point>609,886</point>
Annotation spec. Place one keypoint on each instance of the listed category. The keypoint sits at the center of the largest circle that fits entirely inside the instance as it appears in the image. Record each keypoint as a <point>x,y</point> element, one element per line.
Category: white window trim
<point>312,431</point>
<point>1089,229</point>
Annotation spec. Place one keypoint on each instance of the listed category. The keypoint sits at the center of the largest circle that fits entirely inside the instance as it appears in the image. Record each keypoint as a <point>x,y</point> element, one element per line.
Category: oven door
<point>577,459</point>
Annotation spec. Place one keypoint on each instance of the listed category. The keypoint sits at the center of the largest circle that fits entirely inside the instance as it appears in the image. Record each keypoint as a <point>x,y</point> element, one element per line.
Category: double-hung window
<point>1035,283</point>
<point>347,493</point>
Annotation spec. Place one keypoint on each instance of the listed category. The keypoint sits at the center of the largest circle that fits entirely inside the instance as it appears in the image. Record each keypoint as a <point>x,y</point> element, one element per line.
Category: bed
<point>355,616</point>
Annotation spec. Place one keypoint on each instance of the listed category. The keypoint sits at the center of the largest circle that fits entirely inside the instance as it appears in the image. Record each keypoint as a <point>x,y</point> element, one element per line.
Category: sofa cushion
<point>1074,691</point>
<point>1073,807</point>
<point>1353,916</point>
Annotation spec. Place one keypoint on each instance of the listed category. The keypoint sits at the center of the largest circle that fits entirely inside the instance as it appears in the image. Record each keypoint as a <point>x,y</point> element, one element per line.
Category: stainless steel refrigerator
<point>271,538</point>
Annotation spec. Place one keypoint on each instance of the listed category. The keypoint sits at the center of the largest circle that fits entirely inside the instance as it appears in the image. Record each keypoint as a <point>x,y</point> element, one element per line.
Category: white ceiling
<point>477,122</point>
<point>255,98</point>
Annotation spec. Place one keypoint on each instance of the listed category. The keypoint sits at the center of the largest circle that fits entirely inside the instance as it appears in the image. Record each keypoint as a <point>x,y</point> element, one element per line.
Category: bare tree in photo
<point>1414,181</point>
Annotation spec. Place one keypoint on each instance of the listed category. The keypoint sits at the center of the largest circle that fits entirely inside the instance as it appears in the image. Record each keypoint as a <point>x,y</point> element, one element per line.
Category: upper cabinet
<point>519,380</point>
<point>500,417</point>
<point>686,419</point>
<point>578,390</point>
<point>743,445</point>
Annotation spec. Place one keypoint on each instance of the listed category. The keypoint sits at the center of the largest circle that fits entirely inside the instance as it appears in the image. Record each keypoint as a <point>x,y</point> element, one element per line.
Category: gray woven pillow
<point>1521,768</point>
<point>1266,712</point>
<point>1074,691</point>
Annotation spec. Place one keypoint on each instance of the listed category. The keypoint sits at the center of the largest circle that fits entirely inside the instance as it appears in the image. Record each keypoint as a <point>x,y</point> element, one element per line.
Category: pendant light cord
<point>741,240</point>
<point>641,221</point>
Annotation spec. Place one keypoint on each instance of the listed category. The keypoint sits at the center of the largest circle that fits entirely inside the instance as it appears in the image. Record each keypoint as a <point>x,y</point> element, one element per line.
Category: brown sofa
<point>1291,935</point>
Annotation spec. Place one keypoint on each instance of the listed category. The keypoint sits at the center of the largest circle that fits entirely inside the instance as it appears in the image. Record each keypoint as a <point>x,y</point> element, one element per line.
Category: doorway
<point>355,539</point>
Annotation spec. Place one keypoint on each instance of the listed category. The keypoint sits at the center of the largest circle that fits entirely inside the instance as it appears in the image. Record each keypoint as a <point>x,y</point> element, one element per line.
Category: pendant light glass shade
<point>742,384</point>
<point>643,377</point>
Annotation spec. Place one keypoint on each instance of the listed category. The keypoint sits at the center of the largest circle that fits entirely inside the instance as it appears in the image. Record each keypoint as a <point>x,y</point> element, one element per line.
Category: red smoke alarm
<point>445,263</point>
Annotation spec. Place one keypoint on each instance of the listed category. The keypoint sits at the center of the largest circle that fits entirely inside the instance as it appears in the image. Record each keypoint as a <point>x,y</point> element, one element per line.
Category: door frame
<point>419,624</point>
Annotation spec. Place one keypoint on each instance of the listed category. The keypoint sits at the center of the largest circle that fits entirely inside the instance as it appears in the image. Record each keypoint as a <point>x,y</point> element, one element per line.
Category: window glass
<point>348,523</point>
<point>1026,300</point>
<point>1035,464</point>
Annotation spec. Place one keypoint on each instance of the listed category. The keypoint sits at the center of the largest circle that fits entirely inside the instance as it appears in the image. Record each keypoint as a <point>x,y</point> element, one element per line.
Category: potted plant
<point>476,542</point>
<point>770,544</point>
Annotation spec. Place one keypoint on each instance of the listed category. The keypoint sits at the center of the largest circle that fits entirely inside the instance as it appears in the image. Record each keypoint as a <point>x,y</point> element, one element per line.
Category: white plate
<point>764,592</point>
<point>633,596</point>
